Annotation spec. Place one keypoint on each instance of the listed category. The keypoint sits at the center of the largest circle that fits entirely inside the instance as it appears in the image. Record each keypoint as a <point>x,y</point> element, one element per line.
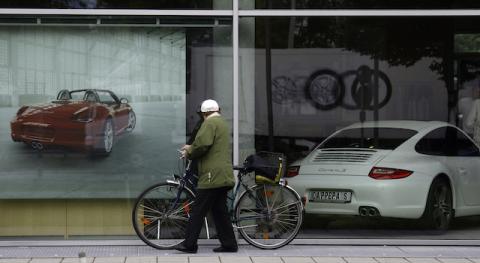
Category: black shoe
<point>181,247</point>
<point>225,249</point>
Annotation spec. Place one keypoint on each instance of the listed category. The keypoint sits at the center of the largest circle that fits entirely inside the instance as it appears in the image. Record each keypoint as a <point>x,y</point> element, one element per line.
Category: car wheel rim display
<point>325,90</point>
<point>442,207</point>
<point>108,136</point>
<point>131,121</point>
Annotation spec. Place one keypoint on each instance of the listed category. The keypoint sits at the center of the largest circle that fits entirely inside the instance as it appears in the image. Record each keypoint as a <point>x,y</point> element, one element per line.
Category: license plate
<point>331,196</point>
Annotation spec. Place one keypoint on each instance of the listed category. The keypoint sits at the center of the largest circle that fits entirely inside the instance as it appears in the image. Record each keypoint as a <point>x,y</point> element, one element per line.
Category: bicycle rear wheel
<point>269,216</point>
<point>160,218</point>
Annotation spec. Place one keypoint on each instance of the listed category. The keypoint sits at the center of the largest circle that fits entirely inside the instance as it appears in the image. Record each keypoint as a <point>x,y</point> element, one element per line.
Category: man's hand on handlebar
<point>183,151</point>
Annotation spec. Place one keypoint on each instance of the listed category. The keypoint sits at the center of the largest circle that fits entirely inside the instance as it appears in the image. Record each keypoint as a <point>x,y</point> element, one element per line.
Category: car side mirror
<point>123,100</point>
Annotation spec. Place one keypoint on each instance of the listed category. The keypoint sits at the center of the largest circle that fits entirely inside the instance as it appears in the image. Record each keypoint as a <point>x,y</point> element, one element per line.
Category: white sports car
<point>401,169</point>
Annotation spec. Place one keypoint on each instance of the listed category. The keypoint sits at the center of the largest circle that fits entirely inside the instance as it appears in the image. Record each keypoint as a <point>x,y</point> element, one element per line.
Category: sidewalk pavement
<point>242,260</point>
<point>246,254</point>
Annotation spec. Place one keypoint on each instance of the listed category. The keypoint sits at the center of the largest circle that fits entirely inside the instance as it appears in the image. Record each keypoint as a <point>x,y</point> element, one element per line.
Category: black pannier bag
<point>268,167</point>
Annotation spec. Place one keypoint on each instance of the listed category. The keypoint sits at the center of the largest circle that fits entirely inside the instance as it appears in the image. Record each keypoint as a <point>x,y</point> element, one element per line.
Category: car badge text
<point>332,170</point>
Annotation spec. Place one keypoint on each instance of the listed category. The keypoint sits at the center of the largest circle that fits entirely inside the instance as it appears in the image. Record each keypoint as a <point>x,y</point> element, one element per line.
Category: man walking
<point>211,149</point>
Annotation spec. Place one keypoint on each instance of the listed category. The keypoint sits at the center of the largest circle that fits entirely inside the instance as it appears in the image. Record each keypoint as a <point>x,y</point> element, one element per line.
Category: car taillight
<point>83,115</point>
<point>292,171</point>
<point>382,173</point>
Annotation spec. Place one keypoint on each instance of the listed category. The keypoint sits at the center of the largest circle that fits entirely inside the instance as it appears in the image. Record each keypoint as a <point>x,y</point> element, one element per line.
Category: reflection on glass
<point>327,73</point>
<point>467,43</point>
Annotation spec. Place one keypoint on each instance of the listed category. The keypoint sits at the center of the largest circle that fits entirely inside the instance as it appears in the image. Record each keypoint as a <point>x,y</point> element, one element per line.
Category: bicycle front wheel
<point>160,215</point>
<point>269,216</point>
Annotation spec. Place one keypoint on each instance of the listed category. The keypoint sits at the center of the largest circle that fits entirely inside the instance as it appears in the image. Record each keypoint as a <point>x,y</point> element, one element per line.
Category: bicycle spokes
<point>269,216</point>
<point>161,215</point>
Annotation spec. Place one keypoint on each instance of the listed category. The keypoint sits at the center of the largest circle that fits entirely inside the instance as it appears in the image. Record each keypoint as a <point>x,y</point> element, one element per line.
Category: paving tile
<point>141,260</point>
<point>350,252</point>
<point>360,260</point>
<point>329,260</point>
<point>298,260</point>
<point>76,260</point>
<point>172,259</point>
<point>14,260</point>
<point>454,260</point>
<point>266,260</point>
<point>435,252</point>
<point>422,260</point>
<point>46,260</point>
<point>204,260</point>
<point>235,259</point>
<point>476,260</point>
<point>287,251</point>
<point>109,260</point>
<point>392,260</point>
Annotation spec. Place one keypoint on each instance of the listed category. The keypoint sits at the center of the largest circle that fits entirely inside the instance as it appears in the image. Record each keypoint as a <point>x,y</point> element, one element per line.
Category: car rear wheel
<point>439,209</point>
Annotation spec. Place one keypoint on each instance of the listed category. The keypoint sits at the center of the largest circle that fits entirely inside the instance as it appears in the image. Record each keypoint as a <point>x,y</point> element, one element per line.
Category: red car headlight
<point>382,173</point>
<point>84,115</point>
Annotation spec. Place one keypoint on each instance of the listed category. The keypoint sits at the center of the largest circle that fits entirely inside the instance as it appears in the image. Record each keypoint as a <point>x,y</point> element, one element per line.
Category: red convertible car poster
<point>86,120</point>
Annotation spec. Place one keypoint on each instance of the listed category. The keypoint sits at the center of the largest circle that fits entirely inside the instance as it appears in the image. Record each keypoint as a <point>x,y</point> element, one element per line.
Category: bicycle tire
<point>264,225</point>
<point>315,89</point>
<point>153,208</point>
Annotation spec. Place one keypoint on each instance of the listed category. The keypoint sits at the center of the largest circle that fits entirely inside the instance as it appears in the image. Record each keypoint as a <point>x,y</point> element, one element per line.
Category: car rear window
<point>371,138</point>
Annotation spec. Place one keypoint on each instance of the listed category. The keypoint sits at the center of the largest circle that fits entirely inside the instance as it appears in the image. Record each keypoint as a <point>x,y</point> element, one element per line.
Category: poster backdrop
<point>145,66</point>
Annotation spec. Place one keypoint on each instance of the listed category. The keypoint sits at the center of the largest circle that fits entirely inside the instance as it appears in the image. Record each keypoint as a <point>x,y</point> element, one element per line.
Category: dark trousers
<point>214,200</point>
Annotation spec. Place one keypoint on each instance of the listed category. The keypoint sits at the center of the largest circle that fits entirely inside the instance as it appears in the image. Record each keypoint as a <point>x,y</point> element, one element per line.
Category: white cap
<point>209,105</point>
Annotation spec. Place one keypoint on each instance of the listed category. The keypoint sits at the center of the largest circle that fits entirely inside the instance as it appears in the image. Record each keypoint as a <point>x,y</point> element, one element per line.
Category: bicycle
<point>267,214</point>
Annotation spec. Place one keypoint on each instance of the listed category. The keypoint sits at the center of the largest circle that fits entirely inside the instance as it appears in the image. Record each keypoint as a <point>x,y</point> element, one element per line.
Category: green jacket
<point>212,150</point>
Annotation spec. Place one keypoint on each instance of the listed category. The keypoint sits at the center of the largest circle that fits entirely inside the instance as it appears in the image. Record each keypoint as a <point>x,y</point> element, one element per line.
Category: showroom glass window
<point>304,78</point>
<point>69,77</point>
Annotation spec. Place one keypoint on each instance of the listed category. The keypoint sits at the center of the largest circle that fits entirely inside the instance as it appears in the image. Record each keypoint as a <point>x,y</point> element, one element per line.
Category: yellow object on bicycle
<point>268,167</point>
<point>259,179</point>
